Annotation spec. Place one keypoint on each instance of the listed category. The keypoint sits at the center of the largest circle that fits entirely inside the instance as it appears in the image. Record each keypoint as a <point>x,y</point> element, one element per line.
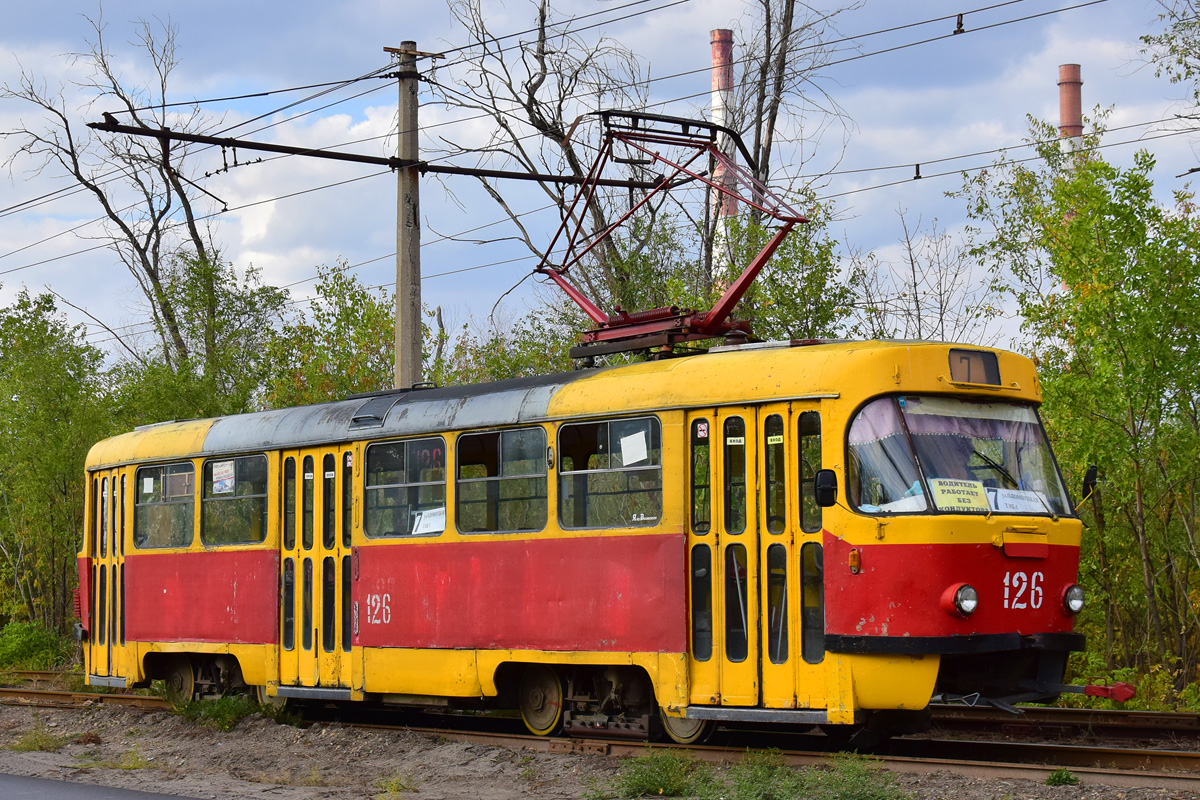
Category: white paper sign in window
<point>633,448</point>
<point>222,477</point>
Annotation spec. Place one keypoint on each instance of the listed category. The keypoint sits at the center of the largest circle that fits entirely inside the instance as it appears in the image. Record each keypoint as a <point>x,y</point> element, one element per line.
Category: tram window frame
<point>288,601</point>
<point>599,444</point>
<point>347,497</point>
<point>415,471</point>
<point>289,503</point>
<point>218,509</point>
<point>308,505</point>
<point>483,465</point>
<point>178,506</point>
<point>775,474</point>
<point>104,517</point>
<point>777,604</point>
<point>701,476</point>
<point>702,602</point>
<point>735,492</point>
<point>812,602</point>
<point>329,507</point>
<point>808,428</point>
<point>737,603</point>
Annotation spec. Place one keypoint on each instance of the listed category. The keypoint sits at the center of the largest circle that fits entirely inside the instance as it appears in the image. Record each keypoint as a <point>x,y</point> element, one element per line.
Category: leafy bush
<point>223,713</point>
<point>1061,777</point>
<point>661,773</point>
<point>852,777</point>
<point>33,646</point>
<point>39,740</point>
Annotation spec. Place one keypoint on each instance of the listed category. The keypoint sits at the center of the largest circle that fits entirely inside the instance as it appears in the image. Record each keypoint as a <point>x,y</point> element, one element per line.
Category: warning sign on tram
<point>955,495</point>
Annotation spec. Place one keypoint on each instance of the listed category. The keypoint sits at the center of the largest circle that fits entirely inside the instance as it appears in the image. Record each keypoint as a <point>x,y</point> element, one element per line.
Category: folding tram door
<point>106,634</point>
<point>754,602</point>
<point>315,602</point>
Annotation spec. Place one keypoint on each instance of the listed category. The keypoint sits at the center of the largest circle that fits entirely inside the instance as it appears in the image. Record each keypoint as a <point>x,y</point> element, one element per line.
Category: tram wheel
<point>541,699</point>
<point>271,701</point>
<point>180,678</point>
<point>685,731</point>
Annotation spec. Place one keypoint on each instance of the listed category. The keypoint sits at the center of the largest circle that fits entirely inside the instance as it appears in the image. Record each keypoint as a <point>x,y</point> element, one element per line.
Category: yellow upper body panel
<point>852,371</point>
<point>167,440</point>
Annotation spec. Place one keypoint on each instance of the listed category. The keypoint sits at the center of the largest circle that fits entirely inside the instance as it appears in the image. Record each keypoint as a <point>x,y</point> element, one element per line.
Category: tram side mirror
<point>1089,483</point>
<point>825,487</point>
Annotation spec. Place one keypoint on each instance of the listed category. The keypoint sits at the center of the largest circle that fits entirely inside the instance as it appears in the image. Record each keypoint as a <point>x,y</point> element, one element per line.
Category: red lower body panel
<point>899,589</point>
<point>625,593</point>
<point>217,596</point>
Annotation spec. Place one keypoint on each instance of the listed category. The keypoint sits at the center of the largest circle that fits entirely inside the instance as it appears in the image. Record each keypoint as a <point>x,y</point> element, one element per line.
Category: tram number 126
<point>379,609</point>
<point>1023,591</point>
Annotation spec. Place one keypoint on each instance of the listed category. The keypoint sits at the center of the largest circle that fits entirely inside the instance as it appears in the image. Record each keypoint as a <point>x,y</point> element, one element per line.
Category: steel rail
<point>66,699</point>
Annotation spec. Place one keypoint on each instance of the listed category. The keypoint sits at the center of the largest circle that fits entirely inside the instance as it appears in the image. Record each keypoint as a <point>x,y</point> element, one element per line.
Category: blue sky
<point>916,104</point>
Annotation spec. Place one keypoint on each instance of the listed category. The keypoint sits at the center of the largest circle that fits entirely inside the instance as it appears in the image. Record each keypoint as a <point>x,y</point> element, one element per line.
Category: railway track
<point>1120,766</point>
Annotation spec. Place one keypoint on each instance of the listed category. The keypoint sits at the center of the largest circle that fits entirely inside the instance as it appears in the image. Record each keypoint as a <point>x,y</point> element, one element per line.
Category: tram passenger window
<point>307,487</point>
<point>347,497</point>
<point>306,602</point>
<point>121,530</point>
<point>345,604</point>
<point>289,504</point>
<point>289,604</point>
<point>102,610</point>
<point>234,506</point>
<point>610,474</point>
<point>701,477</point>
<point>328,604</point>
<point>328,501</point>
<point>810,462</point>
<point>702,610</point>
<point>777,604</point>
<point>164,511</point>
<point>104,518</point>
<point>501,484</point>
<point>737,619</point>
<point>776,487</point>
<point>735,474</point>
<point>406,487</point>
<point>96,517</point>
<point>812,597</point>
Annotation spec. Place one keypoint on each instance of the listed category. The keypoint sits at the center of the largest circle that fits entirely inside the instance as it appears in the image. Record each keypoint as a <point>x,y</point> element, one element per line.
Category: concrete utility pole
<point>408,225</point>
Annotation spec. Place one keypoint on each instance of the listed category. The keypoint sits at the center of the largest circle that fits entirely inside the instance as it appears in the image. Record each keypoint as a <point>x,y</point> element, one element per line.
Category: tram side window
<point>610,474</point>
<point>702,610</point>
<point>701,477</point>
<point>406,488</point>
<point>164,512</point>
<point>810,462</point>
<point>812,597</point>
<point>735,475</point>
<point>502,481</point>
<point>234,506</point>
<point>776,489</point>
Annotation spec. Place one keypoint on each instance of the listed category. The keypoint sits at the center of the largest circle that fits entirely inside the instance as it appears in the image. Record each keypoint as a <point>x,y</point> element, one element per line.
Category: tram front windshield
<point>915,454</point>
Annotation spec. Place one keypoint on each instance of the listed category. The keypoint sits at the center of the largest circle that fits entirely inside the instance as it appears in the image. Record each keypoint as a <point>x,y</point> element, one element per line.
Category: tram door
<point>107,631</point>
<point>723,557</point>
<point>754,539</point>
<point>792,620</point>
<point>315,586</point>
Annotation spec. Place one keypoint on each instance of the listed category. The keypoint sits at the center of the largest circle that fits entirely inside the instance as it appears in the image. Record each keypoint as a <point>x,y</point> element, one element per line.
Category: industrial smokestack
<point>1070,101</point>
<point>722,99</point>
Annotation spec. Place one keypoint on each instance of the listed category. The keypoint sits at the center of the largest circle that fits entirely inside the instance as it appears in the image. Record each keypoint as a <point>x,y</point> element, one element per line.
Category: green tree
<point>1106,279</point>
<point>229,324</point>
<point>53,406</point>
<point>344,345</point>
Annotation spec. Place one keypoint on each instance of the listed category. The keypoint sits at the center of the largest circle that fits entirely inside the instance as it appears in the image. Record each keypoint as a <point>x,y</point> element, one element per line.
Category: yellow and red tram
<point>804,533</point>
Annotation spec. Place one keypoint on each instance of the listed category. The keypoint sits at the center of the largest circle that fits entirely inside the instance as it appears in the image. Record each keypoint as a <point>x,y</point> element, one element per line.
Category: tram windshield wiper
<point>1015,483</point>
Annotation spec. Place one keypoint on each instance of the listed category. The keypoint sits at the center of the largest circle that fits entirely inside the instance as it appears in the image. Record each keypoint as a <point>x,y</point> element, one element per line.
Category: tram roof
<point>732,375</point>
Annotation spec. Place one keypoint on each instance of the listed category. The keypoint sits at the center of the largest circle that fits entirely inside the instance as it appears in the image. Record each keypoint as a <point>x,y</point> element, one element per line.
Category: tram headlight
<point>966,599</point>
<point>960,599</point>
<point>1073,598</point>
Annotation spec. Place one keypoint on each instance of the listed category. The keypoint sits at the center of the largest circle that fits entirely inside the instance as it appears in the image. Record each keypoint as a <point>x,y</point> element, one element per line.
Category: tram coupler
<point>1117,691</point>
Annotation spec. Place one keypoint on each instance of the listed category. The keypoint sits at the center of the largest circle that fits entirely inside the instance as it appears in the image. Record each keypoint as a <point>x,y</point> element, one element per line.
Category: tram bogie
<point>797,535</point>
